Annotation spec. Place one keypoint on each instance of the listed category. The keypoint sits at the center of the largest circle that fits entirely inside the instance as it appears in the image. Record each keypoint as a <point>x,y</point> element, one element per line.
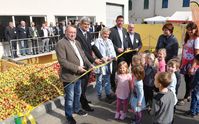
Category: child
<point>137,100</point>
<point>194,108</point>
<point>172,68</point>
<point>163,103</point>
<point>136,60</point>
<point>161,60</point>
<point>150,71</point>
<point>123,80</point>
<point>177,73</point>
<point>143,58</point>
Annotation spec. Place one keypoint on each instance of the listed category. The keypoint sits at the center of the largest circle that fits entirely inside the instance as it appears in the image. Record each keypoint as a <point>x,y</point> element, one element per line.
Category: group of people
<point>148,81</point>
<point>43,39</point>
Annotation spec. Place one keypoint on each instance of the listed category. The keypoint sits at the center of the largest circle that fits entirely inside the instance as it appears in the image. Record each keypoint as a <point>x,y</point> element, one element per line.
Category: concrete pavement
<point>104,113</point>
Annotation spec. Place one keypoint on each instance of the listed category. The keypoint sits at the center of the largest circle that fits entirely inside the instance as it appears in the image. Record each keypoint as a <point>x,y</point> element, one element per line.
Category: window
<point>146,4</point>
<point>164,3</point>
<point>185,3</point>
<point>130,4</point>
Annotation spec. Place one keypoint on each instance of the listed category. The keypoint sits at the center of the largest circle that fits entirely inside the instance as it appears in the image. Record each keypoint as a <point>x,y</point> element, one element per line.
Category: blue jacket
<point>170,44</point>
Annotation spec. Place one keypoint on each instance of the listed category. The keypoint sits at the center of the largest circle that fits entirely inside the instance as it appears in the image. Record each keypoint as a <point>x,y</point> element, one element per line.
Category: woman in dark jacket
<point>168,41</point>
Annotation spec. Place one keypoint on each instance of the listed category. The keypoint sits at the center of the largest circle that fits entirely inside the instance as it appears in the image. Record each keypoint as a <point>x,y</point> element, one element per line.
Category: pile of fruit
<point>25,86</point>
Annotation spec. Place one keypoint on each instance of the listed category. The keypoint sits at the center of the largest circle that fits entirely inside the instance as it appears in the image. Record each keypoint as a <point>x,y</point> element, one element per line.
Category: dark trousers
<point>148,94</point>
<point>128,57</point>
<point>13,48</point>
<point>34,46</point>
<point>188,81</point>
<point>84,83</point>
<point>178,77</point>
<point>52,43</point>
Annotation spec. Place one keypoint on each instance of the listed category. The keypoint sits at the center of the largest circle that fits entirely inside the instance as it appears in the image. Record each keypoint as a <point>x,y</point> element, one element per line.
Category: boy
<point>194,108</point>
<point>163,103</point>
<point>172,68</point>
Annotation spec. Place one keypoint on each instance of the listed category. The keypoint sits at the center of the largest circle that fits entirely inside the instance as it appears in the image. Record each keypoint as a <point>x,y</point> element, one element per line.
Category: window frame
<point>146,4</point>
<point>186,3</point>
<point>165,4</point>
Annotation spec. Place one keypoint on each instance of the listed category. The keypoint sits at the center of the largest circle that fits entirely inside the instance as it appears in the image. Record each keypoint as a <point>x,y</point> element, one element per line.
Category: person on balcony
<point>10,34</point>
<point>45,40</point>
<point>33,33</point>
<point>22,34</point>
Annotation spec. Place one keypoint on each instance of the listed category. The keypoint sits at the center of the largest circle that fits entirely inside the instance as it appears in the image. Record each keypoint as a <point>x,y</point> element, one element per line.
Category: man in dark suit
<point>118,36</point>
<point>22,33</point>
<point>85,39</point>
<point>134,42</point>
<point>33,33</point>
<point>10,34</point>
<point>73,63</point>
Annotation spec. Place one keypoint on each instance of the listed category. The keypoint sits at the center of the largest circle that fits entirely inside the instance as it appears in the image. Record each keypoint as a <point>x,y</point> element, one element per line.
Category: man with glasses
<point>85,39</point>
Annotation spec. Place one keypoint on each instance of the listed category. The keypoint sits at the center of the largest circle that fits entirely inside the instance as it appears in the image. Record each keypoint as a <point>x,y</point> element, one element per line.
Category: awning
<point>180,17</point>
<point>156,19</point>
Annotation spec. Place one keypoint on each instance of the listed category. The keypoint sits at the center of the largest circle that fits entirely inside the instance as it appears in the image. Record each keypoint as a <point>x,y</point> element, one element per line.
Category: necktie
<point>85,35</point>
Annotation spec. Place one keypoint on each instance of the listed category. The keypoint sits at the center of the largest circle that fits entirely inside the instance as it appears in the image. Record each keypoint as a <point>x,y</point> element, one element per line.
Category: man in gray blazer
<point>73,63</point>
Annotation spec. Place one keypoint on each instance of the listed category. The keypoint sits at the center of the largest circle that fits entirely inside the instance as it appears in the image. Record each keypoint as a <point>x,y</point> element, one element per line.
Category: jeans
<point>45,44</point>
<point>103,79</point>
<point>194,104</point>
<point>23,46</point>
<point>72,97</point>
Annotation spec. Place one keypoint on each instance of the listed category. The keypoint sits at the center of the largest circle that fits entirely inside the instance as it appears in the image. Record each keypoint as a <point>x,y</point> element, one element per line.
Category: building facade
<point>140,9</point>
<point>41,11</point>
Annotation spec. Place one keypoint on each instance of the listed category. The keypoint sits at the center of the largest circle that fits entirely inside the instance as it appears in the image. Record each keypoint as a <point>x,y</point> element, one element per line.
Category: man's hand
<point>104,59</point>
<point>98,61</point>
<point>120,50</point>
<point>92,67</point>
<point>81,69</point>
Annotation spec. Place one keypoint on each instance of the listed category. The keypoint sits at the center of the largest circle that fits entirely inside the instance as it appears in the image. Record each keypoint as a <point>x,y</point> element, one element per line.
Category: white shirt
<point>64,28</point>
<point>77,52</point>
<point>45,30</point>
<point>121,36</point>
<point>131,37</point>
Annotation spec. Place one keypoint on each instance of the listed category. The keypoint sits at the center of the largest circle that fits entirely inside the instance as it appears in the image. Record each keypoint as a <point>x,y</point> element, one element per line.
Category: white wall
<point>138,12</point>
<point>51,8</point>
<point>122,2</point>
<point>155,8</point>
<point>173,6</point>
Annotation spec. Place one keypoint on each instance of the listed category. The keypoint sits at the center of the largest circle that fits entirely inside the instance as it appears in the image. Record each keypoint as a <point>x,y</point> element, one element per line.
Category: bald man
<point>73,63</point>
<point>134,42</point>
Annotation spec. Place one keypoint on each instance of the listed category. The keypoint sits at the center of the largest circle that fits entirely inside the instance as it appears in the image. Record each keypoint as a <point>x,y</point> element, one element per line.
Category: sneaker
<point>117,115</point>
<point>71,121</point>
<point>81,113</point>
<point>122,115</point>
<point>189,113</point>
